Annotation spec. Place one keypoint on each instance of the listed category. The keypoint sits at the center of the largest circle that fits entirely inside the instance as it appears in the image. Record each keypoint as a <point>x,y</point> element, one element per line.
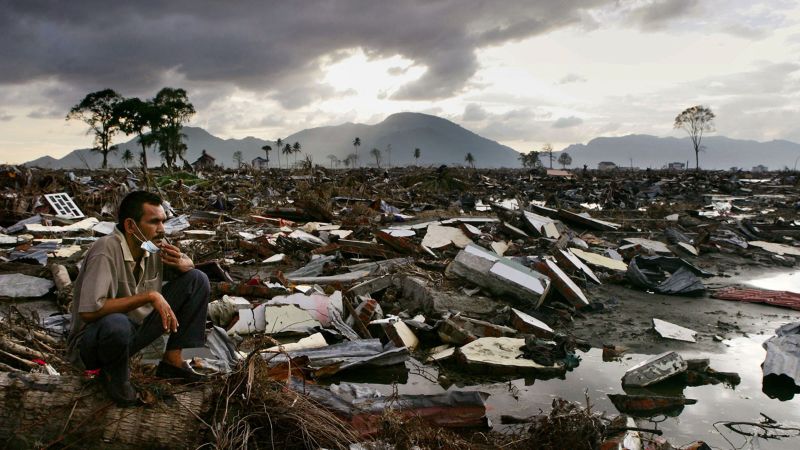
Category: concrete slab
<point>649,244</point>
<point>655,369</point>
<point>500,276</point>
<point>543,226</point>
<point>563,283</point>
<point>525,323</point>
<point>501,355</point>
<point>499,247</point>
<point>595,260</point>
<point>438,236</point>
<point>671,331</point>
<point>280,319</point>
<point>401,335</point>
<point>573,265</point>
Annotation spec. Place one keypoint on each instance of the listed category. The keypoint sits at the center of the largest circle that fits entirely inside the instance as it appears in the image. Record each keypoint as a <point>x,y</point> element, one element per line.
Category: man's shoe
<point>121,392</point>
<point>185,373</point>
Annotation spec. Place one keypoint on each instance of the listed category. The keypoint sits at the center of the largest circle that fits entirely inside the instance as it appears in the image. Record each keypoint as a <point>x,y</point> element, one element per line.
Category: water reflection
<point>781,282</point>
<point>524,398</point>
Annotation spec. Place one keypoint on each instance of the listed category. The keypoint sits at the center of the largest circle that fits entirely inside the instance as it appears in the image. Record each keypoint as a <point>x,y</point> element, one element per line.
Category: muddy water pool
<point>715,403</point>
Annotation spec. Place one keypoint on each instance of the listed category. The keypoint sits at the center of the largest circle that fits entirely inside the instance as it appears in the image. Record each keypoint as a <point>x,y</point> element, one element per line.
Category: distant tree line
<point>157,122</point>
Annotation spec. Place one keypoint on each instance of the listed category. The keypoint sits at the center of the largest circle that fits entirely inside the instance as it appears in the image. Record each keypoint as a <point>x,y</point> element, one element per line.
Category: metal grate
<point>64,206</point>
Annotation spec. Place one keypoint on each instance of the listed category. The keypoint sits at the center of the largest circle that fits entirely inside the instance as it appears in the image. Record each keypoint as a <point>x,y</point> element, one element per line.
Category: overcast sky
<point>522,72</point>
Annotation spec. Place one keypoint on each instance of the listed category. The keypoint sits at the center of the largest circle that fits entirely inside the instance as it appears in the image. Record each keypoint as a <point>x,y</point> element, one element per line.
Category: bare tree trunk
<point>38,410</point>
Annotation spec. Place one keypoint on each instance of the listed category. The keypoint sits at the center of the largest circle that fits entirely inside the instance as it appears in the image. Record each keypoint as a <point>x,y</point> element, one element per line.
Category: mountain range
<point>638,150</point>
<point>443,142</point>
<point>440,142</point>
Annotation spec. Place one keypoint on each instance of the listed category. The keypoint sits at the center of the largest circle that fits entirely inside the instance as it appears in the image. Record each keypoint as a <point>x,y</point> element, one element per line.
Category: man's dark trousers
<point>108,342</point>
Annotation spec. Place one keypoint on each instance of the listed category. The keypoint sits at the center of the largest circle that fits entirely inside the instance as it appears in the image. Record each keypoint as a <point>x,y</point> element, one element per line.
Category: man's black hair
<point>131,207</point>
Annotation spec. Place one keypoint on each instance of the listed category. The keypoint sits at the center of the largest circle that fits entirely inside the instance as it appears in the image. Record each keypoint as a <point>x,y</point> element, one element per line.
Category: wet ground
<point>626,321</point>
<point>715,403</point>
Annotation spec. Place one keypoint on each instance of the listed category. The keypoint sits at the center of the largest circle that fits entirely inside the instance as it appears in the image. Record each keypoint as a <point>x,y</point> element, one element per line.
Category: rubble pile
<point>342,272</point>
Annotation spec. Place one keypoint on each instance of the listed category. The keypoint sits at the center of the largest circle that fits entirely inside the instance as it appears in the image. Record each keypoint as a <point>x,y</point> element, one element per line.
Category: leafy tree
<point>547,148</point>
<point>175,110</point>
<point>278,143</point>
<point>377,155</point>
<point>565,160</point>
<point>523,159</point>
<point>134,116</point>
<point>267,149</point>
<point>695,121</point>
<point>470,160</point>
<point>530,160</point>
<point>296,149</point>
<point>238,157</point>
<point>287,150</point>
<point>417,154</point>
<point>333,159</point>
<point>97,111</point>
<point>356,144</point>
<point>127,156</point>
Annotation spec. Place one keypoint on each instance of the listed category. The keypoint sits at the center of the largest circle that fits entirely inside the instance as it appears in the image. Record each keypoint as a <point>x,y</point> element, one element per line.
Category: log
<point>38,410</point>
<point>17,360</point>
<point>40,335</point>
<point>20,350</point>
<point>61,277</point>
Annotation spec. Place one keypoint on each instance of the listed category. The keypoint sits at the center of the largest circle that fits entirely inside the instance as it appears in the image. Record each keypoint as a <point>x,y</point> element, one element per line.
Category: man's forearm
<point>119,305</point>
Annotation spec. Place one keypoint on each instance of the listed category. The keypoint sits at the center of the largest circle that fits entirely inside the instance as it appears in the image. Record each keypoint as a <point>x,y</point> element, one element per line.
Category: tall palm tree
<point>278,143</point>
<point>127,157</point>
<point>267,149</point>
<point>287,150</point>
<point>356,144</point>
<point>296,149</point>
<point>470,160</point>
<point>377,155</point>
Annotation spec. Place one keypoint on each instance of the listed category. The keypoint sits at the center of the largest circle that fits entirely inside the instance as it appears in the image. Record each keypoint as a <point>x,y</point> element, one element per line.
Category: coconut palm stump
<point>38,410</point>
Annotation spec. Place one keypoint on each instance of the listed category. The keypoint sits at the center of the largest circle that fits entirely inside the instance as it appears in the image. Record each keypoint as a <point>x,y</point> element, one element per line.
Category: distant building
<point>760,168</point>
<point>606,165</point>
<point>260,163</point>
<point>205,161</point>
<point>676,166</point>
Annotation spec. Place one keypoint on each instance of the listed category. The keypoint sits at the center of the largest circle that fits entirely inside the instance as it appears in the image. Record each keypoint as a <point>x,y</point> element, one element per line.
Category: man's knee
<point>114,330</point>
<point>200,278</point>
<point>196,280</point>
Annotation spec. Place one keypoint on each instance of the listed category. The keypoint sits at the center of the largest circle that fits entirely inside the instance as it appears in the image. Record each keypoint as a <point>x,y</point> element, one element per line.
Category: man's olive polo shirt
<point>107,273</point>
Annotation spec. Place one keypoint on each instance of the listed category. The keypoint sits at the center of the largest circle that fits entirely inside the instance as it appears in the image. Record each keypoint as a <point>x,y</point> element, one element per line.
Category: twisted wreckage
<point>324,277</point>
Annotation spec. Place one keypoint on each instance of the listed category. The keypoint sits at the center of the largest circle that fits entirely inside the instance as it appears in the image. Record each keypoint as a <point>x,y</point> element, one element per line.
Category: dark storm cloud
<point>275,46</point>
<point>657,13</point>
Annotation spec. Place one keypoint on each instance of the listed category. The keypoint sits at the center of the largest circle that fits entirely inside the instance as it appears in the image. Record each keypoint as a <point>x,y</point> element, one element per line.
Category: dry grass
<point>257,409</point>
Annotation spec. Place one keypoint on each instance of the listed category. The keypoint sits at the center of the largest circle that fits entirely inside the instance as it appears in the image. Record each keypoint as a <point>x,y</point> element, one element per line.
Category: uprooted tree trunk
<point>38,410</point>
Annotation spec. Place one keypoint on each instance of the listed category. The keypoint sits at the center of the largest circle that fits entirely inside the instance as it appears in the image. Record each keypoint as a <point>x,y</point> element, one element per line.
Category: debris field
<point>328,283</point>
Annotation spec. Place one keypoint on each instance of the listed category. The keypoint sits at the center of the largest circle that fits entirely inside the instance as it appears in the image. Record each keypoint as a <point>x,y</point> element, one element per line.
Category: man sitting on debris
<point>119,306</point>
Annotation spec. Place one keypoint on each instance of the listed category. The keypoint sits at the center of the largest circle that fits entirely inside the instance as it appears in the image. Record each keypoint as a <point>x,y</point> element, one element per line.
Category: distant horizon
<point>320,142</point>
<point>121,138</point>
